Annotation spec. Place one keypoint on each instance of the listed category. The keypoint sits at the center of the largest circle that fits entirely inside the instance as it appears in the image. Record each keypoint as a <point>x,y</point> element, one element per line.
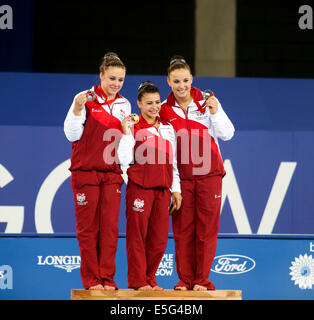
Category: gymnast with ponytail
<point>95,173</point>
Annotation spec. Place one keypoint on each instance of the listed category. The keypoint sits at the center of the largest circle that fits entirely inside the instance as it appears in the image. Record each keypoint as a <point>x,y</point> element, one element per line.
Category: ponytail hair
<point>146,87</point>
<point>111,59</point>
<point>178,62</point>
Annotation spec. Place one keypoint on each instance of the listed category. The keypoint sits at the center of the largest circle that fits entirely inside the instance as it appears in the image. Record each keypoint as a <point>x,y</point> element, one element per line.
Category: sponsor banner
<point>264,268</point>
<point>260,192</point>
<point>268,187</point>
<point>232,264</point>
<point>67,263</point>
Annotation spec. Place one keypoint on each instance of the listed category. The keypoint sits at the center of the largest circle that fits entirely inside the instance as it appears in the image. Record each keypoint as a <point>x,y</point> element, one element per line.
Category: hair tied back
<point>145,84</point>
<point>109,57</point>
<point>177,60</point>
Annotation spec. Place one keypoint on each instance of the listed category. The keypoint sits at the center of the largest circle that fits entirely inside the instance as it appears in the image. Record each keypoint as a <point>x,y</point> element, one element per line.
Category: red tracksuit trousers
<point>146,232</point>
<point>195,229</point>
<point>97,208</point>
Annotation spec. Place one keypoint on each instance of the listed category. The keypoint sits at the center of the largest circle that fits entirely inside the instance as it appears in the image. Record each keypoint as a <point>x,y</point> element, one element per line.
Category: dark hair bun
<point>144,84</point>
<point>146,87</point>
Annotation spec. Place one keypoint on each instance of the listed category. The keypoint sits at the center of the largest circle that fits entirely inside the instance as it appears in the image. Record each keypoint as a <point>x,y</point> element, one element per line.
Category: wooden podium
<point>128,294</point>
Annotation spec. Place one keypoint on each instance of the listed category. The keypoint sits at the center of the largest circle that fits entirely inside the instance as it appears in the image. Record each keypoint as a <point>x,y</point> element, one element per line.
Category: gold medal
<point>135,117</point>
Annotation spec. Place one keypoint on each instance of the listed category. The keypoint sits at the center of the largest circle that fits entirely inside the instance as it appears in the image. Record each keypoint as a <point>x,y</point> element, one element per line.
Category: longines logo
<point>67,263</point>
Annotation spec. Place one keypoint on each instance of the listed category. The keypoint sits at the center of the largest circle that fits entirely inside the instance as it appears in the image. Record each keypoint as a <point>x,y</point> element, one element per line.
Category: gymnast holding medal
<point>95,174</point>
<point>199,120</point>
<point>148,147</point>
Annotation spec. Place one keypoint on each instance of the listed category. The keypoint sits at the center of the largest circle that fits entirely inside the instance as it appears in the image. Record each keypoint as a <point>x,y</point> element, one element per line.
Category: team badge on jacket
<point>80,197</point>
<point>138,205</point>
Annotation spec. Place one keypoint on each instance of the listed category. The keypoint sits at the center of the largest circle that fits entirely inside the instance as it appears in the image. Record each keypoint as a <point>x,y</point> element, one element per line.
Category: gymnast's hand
<point>79,103</point>
<point>177,198</point>
<point>212,103</point>
<point>127,123</point>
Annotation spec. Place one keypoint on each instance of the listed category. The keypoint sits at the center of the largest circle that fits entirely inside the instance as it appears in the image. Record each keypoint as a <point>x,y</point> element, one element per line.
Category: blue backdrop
<point>268,189</point>
<point>263,267</point>
<point>269,183</point>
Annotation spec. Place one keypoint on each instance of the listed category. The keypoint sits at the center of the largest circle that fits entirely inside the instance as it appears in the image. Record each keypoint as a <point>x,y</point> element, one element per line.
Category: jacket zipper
<point>110,126</point>
<point>188,127</point>
<point>163,165</point>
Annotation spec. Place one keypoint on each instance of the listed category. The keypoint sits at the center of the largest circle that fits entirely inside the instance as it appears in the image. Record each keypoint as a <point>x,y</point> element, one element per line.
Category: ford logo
<point>232,264</point>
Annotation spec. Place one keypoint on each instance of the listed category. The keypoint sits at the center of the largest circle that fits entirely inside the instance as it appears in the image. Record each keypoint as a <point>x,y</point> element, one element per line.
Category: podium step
<point>128,294</point>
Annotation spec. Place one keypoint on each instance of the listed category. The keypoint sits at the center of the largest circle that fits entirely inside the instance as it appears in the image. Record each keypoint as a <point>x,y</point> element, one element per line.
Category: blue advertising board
<point>269,182</point>
<point>263,267</point>
<point>267,189</point>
